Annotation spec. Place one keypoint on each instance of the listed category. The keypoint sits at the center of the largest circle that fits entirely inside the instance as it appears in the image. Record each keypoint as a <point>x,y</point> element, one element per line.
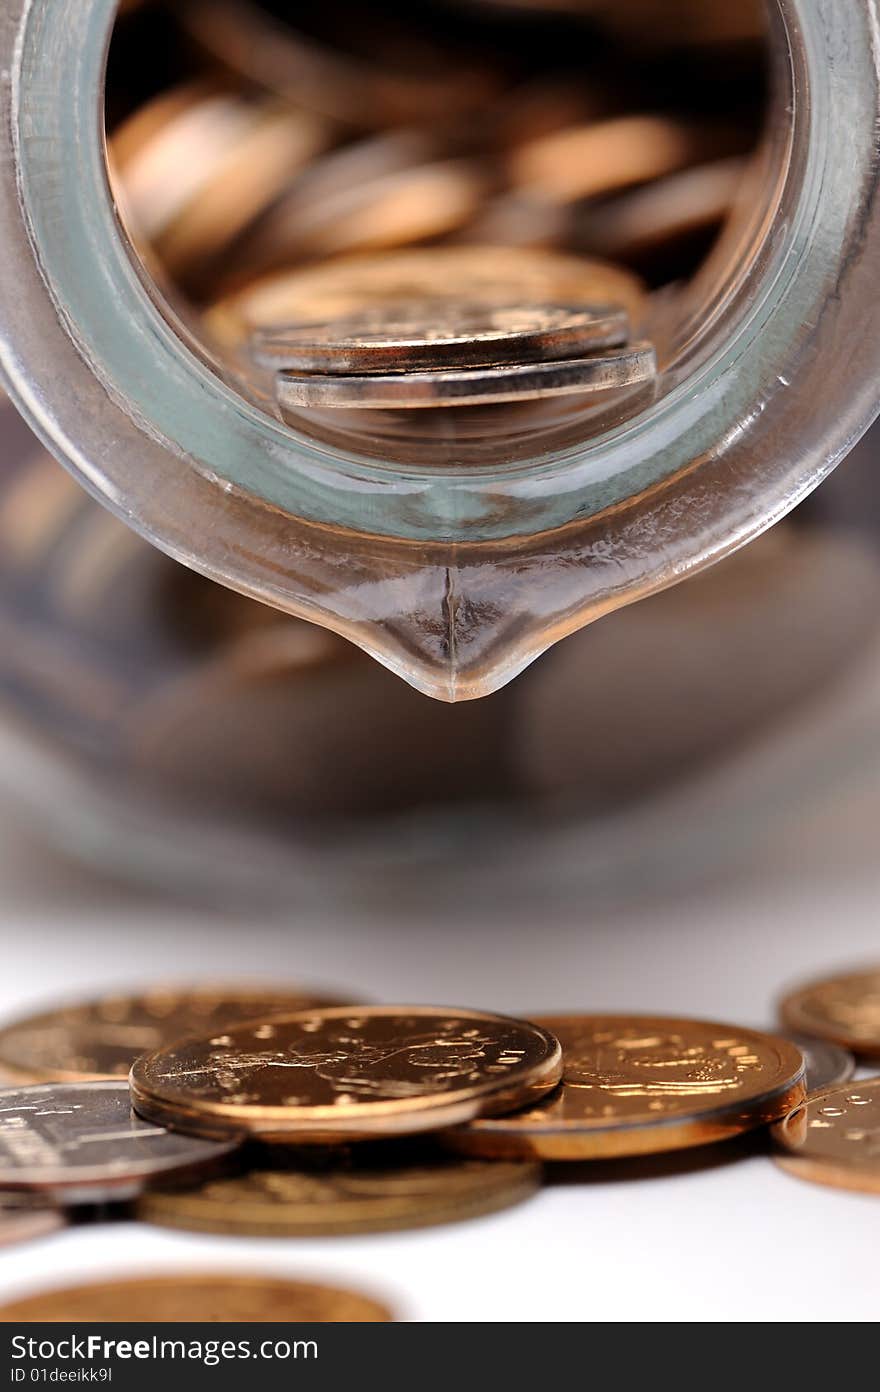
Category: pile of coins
<point>284,1115</point>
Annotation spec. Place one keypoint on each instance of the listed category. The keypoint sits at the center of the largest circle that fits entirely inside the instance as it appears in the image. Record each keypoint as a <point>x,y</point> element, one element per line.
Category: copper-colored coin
<point>636,1085</point>
<point>209,1299</point>
<point>834,1137</point>
<point>102,1038</point>
<point>458,334</point>
<point>358,1199</point>
<point>828,1064</point>
<point>81,1143</point>
<point>844,1009</point>
<point>27,1224</point>
<point>471,386</point>
<point>346,1074</point>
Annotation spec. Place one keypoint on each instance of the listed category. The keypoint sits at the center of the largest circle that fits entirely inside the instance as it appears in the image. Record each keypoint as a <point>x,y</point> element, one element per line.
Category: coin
<point>844,1009</point>
<point>358,1199</point>
<point>636,1085</point>
<point>427,275</point>
<point>101,1038</point>
<point>827,1064</point>
<point>478,386</point>
<point>27,1224</point>
<point>341,1075</point>
<point>81,1143</point>
<point>603,156</point>
<point>834,1137</point>
<point>431,336</point>
<point>197,1299</point>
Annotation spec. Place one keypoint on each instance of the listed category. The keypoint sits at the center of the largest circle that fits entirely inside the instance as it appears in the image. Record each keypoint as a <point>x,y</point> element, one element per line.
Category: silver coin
<point>479,386</point>
<point>442,336</point>
<point>82,1143</point>
<point>27,1224</point>
<point>827,1064</point>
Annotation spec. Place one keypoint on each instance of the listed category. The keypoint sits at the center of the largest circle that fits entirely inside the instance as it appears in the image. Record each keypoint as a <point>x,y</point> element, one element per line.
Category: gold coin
<point>844,1009</point>
<point>834,1137</point>
<point>361,1199</point>
<point>344,1074</point>
<point>102,1038</point>
<point>209,1299</point>
<point>636,1085</point>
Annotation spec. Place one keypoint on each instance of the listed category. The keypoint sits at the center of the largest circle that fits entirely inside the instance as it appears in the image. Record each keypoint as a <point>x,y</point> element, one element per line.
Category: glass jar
<point>453,560</point>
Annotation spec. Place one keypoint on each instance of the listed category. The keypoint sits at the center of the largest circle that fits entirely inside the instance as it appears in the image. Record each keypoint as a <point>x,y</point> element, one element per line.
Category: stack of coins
<point>332,1119</point>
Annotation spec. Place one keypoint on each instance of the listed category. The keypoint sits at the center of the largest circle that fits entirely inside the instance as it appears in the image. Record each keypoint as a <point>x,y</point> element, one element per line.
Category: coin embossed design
<point>827,1064</point>
<point>81,1143</point>
<point>27,1224</point>
<point>360,1199</point>
<point>458,334</point>
<point>339,1074</point>
<point>103,1037</point>
<point>844,1009</point>
<point>205,1298</point>
<point>475,386</point>
<point>834,1137</point>
<point>641,1085</point>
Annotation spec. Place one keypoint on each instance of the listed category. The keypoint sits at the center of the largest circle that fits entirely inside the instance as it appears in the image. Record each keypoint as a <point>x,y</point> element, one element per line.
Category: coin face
<point>476,386</point>
<point>844,1009</point>
<point>640,1085</point>
<point>345,1075</point>
<point>102,1038</point>
<point>827,1064</point>
<point>455,334</point>
<point>176,1299</point>
<point>834,1137</point>
<point>358,1199</point>
<point>81,1143</point>
<point>27,1224</point>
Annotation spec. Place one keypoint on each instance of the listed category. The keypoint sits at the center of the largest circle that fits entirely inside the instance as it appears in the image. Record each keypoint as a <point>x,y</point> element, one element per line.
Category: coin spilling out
<point>81,1143</point>
<point>635,1085</point>
<point>27,1224</point>
<point>101,1038</point>
<point>827,1064</point>
<point>844,1009</point>
<point>360,1198</point>
<point>205,1298</point>
<point>834,1137</point>
<point>458,334</point>
<point>338,1074</point>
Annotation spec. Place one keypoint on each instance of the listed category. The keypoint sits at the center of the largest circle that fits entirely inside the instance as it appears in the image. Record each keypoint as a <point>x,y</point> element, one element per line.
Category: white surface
<point>725,1237</point>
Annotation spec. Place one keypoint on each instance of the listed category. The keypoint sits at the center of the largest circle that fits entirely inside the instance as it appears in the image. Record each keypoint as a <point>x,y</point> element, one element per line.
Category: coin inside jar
<point>637,1085</point>
<point>457,334</point>
<point>834,1137</point>
<point>81,1143</point>
<point>339,1074</point>
<point>844,1009</point>
<point>101,1038</point>
<point>180,1298</point>
<point>360,1198</point>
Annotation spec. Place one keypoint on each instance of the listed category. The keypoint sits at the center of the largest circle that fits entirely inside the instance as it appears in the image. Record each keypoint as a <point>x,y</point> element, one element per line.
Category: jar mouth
<point>770,367</point>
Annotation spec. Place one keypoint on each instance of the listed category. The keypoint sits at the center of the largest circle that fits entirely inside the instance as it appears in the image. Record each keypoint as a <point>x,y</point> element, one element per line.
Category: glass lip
<point>147,425</point>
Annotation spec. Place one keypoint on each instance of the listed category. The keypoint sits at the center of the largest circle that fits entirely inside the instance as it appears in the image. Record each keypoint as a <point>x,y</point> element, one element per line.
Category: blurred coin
<point>340,1075</point>
<point>602,156</point>
<point>81,1143</point>
<point>26,1224</point>
<point>827,1064</point>
<point>429,275</point>
<point>101,1038</point>
<point>435,336</point>
<point>359,1199</point>
<point>635,1085</point>
<point>844,1009</point>
<point>662,212</point>
<point>834,1137</point>
<point>206,1298</point>
<point>673,23</point>
<point>477,386</point>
